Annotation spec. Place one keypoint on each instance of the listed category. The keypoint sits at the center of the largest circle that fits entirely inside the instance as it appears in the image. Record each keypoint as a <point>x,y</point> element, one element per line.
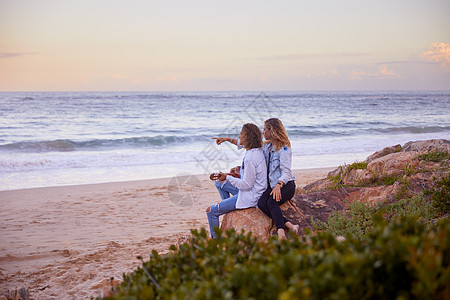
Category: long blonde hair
<point>279,134</point>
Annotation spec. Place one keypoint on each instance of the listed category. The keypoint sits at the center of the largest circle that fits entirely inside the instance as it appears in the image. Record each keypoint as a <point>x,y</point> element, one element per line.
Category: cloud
<point>142,80</point>
<point>169,78</point>
<point>15,54</point>
<point>384,73</point>
<point>333,73</point>
<point>357,75</point>
<point>314,56</point>
<point>440,53</point>
<point>381,73</point>
<point>404,62</point>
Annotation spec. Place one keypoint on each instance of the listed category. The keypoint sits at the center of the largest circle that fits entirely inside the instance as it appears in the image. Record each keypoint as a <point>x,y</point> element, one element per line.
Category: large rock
<point>249,219</point>
<point>415,146</point>
<point>385,151</point>
<point>375,194</point>
<point>391,164</point>
<point>427,146</point>
<point>357,177</point>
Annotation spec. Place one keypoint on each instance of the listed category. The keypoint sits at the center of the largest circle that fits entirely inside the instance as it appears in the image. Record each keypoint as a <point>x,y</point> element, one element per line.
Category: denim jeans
<point>226,189</point>
<point>217,209</point>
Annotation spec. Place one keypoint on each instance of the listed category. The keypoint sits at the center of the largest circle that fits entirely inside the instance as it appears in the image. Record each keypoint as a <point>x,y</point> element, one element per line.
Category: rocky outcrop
<point>395,161</point>
<point>387,175</point>
<point>384,152</point>
<point>427,146</point>
<point>391,164</point>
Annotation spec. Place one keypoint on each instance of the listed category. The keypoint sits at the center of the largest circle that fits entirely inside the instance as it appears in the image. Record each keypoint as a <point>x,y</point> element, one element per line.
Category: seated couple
<point>265,176</point>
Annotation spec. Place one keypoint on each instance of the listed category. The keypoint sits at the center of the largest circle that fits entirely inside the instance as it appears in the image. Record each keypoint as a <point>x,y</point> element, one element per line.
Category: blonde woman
<point>281,184</point>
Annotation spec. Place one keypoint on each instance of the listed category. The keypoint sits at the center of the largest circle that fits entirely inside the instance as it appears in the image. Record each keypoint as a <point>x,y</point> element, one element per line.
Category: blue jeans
<point>217,209</point>
<point>226,189</point>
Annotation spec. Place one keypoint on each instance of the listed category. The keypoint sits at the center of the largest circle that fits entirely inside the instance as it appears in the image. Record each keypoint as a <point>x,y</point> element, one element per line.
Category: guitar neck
<point>233,174</point>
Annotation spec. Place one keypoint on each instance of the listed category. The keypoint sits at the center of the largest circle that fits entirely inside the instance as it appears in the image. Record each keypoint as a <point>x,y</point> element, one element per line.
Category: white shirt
<point>253,181</point>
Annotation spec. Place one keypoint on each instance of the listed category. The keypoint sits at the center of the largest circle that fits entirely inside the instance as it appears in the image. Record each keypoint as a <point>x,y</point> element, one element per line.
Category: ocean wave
<point>66,145</point>
<point>93,160</point>
<point>319,133</point>
<point>170,138</point>
<point>412,129</point>
<point>355,129</point>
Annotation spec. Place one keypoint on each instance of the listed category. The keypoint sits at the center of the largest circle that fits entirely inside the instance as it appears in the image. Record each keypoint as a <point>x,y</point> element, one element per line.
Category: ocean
<point>67,138</point>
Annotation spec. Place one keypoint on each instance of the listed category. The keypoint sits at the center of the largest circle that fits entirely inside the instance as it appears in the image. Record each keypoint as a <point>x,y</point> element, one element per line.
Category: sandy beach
<point>62,242</point>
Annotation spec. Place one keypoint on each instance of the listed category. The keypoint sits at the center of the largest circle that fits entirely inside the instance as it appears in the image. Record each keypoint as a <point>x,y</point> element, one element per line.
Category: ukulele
<point>216,175</point>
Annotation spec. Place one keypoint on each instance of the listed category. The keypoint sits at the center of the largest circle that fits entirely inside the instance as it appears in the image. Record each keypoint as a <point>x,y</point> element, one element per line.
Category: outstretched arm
<point>220,140</point>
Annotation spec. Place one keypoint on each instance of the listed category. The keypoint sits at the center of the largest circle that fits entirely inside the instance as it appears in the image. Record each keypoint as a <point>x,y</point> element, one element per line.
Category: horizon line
<point>224,91</point>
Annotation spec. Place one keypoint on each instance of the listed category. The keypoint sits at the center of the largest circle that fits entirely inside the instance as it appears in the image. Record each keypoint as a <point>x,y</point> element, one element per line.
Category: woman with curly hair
<point>252,182</point>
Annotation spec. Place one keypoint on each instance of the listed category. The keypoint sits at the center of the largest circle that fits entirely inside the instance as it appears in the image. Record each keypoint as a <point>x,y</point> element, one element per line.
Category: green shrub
<point>357,166</point>
<point>398,260</point>
<point>357,220</point>
<point>440,195</point>
<point>411,169</point>
<point>436,156</point>
<point>336,180</point>
<point>416,206</point>
<point>388,179</point>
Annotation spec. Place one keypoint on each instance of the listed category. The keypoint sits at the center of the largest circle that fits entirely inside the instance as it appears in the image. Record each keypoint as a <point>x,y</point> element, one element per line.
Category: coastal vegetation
<point>357,166</point>
<point>359,217</point>
<point>398,259</point>
<point>435,156</point>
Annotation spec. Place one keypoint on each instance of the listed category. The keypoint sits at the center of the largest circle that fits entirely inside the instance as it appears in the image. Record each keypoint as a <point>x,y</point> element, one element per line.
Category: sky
<point>175,45</point>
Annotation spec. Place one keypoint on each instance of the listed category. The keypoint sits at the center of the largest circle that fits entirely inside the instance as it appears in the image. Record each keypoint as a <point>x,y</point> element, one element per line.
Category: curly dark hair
<point>253,136</point>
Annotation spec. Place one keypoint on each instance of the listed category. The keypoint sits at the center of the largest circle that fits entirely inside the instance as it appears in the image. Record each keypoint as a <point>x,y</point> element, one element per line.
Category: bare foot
<point>281,234</point>
<point>294,228</point>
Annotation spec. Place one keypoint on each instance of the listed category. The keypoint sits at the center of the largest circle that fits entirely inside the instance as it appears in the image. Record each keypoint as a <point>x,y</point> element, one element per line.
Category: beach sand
<point>62,242</point>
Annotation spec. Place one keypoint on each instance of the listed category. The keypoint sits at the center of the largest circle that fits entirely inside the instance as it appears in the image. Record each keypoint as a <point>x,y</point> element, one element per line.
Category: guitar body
<point>216,175</point>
